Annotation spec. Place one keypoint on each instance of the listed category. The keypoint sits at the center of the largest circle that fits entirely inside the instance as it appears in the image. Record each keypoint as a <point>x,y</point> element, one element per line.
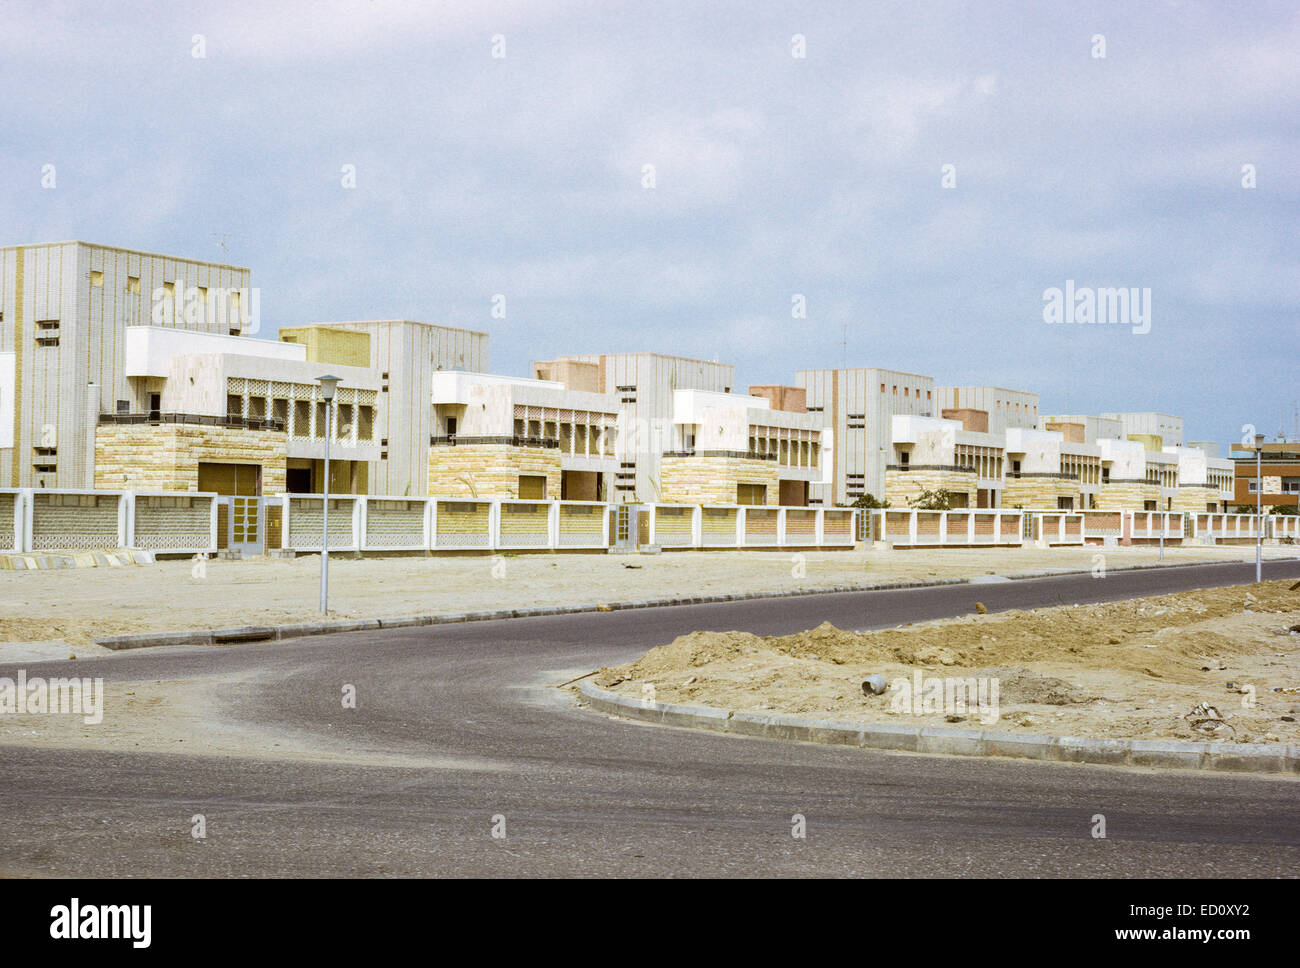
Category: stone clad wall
<point>902,487</point>
<point>1127,496</point>
<point>1038,492</point>
<point>491,470</point>
<point>713,480</point>
<point>165,457</point>
<point>1194,499</point>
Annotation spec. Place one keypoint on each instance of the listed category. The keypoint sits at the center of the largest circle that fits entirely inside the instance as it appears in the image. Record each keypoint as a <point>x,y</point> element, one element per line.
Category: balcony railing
<point>201,419</point>
<point>454,440</point>
<point>955,468</point>
<point>737,454</point>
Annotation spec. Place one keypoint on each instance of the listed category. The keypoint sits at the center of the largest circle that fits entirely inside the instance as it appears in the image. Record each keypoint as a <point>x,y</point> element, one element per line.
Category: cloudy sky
<point>774,176</point>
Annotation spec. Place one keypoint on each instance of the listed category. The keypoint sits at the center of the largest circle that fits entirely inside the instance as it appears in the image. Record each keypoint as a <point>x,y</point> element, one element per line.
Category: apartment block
<point>1005,408</point>
<point>406,355</point>
<point>1063,464</point>
<point>857,406</point>
<point>498,436</point>
<point>65,308</point>
<point>234,415</point>
<point>644,385</point>
<point>1279,472</point>
<point>1159,428</point>
<point>731,448</point>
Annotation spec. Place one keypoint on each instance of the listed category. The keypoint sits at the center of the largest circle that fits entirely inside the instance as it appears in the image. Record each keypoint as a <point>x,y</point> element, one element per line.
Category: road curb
<point>1164,754</point>
<point>299,630</point>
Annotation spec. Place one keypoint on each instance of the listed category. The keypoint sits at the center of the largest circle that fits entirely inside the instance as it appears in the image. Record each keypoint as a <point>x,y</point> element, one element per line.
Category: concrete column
<point>553,525</point>
<point>697,526</point>
<point>126,519</point>
<point>494,520</point>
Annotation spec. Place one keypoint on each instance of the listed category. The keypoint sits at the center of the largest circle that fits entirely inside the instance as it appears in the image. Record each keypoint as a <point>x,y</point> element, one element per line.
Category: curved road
<point>583,794</point>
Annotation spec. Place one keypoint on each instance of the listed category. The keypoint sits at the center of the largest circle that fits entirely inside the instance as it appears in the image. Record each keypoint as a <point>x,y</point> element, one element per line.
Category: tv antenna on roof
<point>221,238</point>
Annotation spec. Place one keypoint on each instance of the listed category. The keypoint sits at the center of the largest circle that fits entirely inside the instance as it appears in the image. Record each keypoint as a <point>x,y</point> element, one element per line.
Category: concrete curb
<point>224,636</point>
<point>1164,754</point>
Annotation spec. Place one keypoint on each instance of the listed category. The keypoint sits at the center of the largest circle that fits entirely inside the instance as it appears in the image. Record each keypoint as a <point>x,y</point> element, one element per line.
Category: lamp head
<point>328,384</point>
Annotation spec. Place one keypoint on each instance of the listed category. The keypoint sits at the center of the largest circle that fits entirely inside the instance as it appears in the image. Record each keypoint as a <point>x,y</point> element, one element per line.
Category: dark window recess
<point>124,406</point>
<point>383,442</point>
<point>451,426</point>
<point>905,458</point>
<point>46,451</point>
<point>47,341</point>
<point>383,455</point>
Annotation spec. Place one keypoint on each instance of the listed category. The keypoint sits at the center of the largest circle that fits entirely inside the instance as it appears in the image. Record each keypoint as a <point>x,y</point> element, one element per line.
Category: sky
<point>683,177</point>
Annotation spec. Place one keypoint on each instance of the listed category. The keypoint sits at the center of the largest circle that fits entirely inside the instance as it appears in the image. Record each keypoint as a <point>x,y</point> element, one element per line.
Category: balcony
<point>157,417</point>
<point>952,468</point>
<point>736,454</point>
<point>454,440</point>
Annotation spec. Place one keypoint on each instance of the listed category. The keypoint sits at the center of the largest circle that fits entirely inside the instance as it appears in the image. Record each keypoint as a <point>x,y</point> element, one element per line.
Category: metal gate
<point>244,522</point>
<point>625,527</point>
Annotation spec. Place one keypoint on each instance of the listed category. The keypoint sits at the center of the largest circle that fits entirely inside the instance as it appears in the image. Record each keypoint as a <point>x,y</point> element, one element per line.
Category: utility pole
<point>328,384</point>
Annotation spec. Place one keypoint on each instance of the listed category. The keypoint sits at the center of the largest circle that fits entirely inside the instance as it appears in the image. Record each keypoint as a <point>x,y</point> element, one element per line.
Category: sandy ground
<point>72,607</point>
<point>1130,669</point>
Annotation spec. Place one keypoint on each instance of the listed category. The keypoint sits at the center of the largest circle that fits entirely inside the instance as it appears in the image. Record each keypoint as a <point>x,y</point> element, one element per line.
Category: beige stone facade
<point>1196,499</point>
<point>1127,495</point>
<point>491,470</point>
<point>902,487</point>
<point>714,480</point>
<point>166,457</point>
<point>1039,491</point>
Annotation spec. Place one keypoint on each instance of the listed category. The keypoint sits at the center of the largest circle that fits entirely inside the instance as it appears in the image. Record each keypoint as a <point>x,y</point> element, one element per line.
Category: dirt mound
<point>1129,668</point>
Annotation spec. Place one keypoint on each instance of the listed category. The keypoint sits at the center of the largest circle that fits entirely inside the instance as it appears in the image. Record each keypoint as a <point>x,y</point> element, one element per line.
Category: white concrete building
<point>857,404</point>
<point>64,311</point>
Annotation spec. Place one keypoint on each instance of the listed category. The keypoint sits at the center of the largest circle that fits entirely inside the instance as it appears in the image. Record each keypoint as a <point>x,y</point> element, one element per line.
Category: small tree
<point>869,502</point>
<point>939,500</point>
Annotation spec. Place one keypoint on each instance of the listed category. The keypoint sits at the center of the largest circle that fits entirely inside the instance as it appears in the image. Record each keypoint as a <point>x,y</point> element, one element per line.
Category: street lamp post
<point>1259,508</point>
<point>328,384</point>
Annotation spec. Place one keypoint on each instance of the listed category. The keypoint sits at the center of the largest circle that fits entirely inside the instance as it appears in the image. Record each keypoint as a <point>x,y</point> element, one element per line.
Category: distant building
<point>1280,465</point>
<point>857,406</point>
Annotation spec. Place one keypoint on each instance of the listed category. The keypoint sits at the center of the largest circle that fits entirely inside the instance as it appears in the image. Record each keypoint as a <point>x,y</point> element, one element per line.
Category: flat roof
<point>119,248</point>
<point>585,358</point>
<point>385,322</point>
<point>862,369</point>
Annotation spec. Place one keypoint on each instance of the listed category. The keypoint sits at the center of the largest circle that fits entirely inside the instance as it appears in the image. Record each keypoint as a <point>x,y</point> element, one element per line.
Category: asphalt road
<point>583,794</point>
